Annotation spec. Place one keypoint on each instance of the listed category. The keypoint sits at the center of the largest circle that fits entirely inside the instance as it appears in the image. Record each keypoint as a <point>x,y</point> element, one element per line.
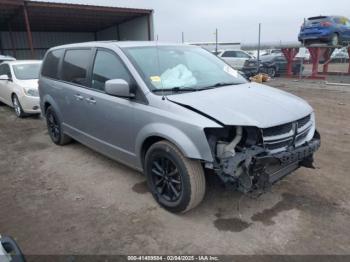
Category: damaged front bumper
<point>255,169</point>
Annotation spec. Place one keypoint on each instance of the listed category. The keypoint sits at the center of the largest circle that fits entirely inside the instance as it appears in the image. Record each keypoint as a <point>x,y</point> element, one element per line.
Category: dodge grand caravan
<point>174,112</point>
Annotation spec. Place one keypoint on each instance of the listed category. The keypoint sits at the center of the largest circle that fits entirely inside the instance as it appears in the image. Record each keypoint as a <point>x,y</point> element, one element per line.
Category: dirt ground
<point>71,200</point>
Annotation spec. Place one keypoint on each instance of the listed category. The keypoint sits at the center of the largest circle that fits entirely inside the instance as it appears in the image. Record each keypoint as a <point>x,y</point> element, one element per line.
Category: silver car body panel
<point>248,104</point>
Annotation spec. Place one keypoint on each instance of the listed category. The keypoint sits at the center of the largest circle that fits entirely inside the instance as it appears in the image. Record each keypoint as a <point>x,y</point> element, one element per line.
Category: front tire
<point>55,129</point>
<point>17,106</point>
<point>176,182</point>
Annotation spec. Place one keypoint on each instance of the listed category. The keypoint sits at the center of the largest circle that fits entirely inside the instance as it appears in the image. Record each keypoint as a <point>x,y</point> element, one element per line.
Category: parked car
<point>4,58</point>
<point>173,112</point>
<point>303,55</point>
<point>333,30</point>
<point>235,58</point>
<point>272,52</point>
<point>273,65</point>
<point>19,86</point>
<point>340,56</point>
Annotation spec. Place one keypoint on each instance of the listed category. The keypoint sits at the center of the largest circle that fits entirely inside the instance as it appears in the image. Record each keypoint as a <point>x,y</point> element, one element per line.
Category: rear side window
<point>107,67</point>
<point>5,70</point>
<point>229,54</point>
<point>50,66</point>
<point>341,21</point>
<point>75,66</point>
<point>242,54</point>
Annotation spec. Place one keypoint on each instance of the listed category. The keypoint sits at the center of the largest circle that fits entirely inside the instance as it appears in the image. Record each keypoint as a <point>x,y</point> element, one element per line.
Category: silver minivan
<point>175,112</point>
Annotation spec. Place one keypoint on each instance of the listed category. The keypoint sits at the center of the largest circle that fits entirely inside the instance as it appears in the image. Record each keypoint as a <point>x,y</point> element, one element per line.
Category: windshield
<point>27,71</point>
<point>181,68</point>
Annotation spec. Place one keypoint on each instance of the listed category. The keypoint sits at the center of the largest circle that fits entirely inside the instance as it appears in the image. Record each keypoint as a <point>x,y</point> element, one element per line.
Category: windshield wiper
<point>220,84</point>
<point>175,90</point>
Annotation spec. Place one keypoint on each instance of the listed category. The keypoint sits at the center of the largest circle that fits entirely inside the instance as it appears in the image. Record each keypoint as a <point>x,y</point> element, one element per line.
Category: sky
<point>236,20</point>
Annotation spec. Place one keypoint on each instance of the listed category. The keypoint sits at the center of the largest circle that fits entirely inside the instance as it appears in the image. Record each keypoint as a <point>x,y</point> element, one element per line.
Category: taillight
<point>326,24</point>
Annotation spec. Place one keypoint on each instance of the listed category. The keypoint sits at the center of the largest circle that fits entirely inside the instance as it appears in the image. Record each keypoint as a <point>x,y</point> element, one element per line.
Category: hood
<point>28,84</point>
<point>249,104</point>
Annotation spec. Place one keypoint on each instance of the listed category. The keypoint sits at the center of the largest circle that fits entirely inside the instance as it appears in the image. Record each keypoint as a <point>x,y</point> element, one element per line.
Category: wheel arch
<point>154,133</point>
<point>47,101</point>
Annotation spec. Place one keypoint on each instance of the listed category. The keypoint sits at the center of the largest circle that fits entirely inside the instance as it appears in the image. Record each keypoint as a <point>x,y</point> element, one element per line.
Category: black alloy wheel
<point>176,182</point>
<point>166,179</point>
<point>54,128</point>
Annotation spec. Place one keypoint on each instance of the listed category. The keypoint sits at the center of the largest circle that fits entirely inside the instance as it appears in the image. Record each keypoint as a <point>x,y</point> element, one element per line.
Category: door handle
<point>79,97</point>
<point>91,100</point>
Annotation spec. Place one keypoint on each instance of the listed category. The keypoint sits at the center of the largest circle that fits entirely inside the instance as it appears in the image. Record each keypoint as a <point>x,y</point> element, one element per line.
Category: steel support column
<point>327,58</point>
<point>290,54</point>
<point>29,32</point>
<point>315,55</point>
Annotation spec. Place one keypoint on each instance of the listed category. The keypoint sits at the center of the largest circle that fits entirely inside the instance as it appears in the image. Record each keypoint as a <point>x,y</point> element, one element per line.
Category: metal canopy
<point>58,17</point>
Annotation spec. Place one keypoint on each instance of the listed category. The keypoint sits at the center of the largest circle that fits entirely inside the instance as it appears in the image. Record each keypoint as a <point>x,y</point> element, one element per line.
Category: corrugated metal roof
<point>60,17</point>
<point>83,3</point>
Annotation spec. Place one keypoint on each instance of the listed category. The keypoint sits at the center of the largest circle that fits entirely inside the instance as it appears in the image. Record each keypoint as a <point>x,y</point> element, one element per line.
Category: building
<point>29,28</point>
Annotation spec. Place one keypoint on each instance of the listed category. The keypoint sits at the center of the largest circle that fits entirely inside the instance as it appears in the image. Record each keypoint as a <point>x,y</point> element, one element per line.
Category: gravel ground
<point>71,200</point>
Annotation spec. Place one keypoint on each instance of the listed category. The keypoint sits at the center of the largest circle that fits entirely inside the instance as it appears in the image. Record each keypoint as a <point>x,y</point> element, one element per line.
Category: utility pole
<point>259,45</point>
<point>216,41</point>
<point>183,37</point>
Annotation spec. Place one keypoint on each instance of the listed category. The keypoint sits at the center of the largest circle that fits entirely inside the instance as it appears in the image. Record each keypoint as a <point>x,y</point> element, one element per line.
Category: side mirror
<point>118,87</point>
<point>4,78</point>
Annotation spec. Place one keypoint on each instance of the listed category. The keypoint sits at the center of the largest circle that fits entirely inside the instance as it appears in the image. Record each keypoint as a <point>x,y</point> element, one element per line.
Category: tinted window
<point>242,54</point>
<point>107,66</point>
<point>50,67</point>
<point>316,20</point>
<point>229,54</point>
<point>5,70</point>
<point>75,66</point>
<point>280,59</point>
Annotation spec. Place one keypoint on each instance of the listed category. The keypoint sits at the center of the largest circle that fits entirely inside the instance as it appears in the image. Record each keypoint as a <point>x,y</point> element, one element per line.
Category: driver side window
<point>5,70</point>
<point>107,66</point>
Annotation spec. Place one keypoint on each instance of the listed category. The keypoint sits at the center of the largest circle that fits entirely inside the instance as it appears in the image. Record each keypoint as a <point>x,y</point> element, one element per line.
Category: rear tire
<point>271,71</point>
<point>54,128</point>
<point>17,106</point>
<point>177,183</point>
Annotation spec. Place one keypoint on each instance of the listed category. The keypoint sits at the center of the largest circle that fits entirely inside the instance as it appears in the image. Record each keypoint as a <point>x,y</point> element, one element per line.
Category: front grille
<point>281,137</point>
<point>301,137</point>
<point>302,122</point>
<point>278,130</point>
<point>282,144</point>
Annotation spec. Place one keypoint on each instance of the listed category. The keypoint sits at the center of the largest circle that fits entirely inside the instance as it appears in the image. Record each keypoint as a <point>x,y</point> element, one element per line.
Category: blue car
<point>333,30</point>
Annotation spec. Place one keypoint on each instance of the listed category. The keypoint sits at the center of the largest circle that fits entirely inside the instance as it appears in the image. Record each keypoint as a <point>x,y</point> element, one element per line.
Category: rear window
<point>238,54</point>
<point>318,19</point>
<point>75,66</point>
<point>50,66</point>
<point>229,54</point>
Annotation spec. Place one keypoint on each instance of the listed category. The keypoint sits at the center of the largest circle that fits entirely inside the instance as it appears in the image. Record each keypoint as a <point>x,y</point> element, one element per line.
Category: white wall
<point>136,29</point>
